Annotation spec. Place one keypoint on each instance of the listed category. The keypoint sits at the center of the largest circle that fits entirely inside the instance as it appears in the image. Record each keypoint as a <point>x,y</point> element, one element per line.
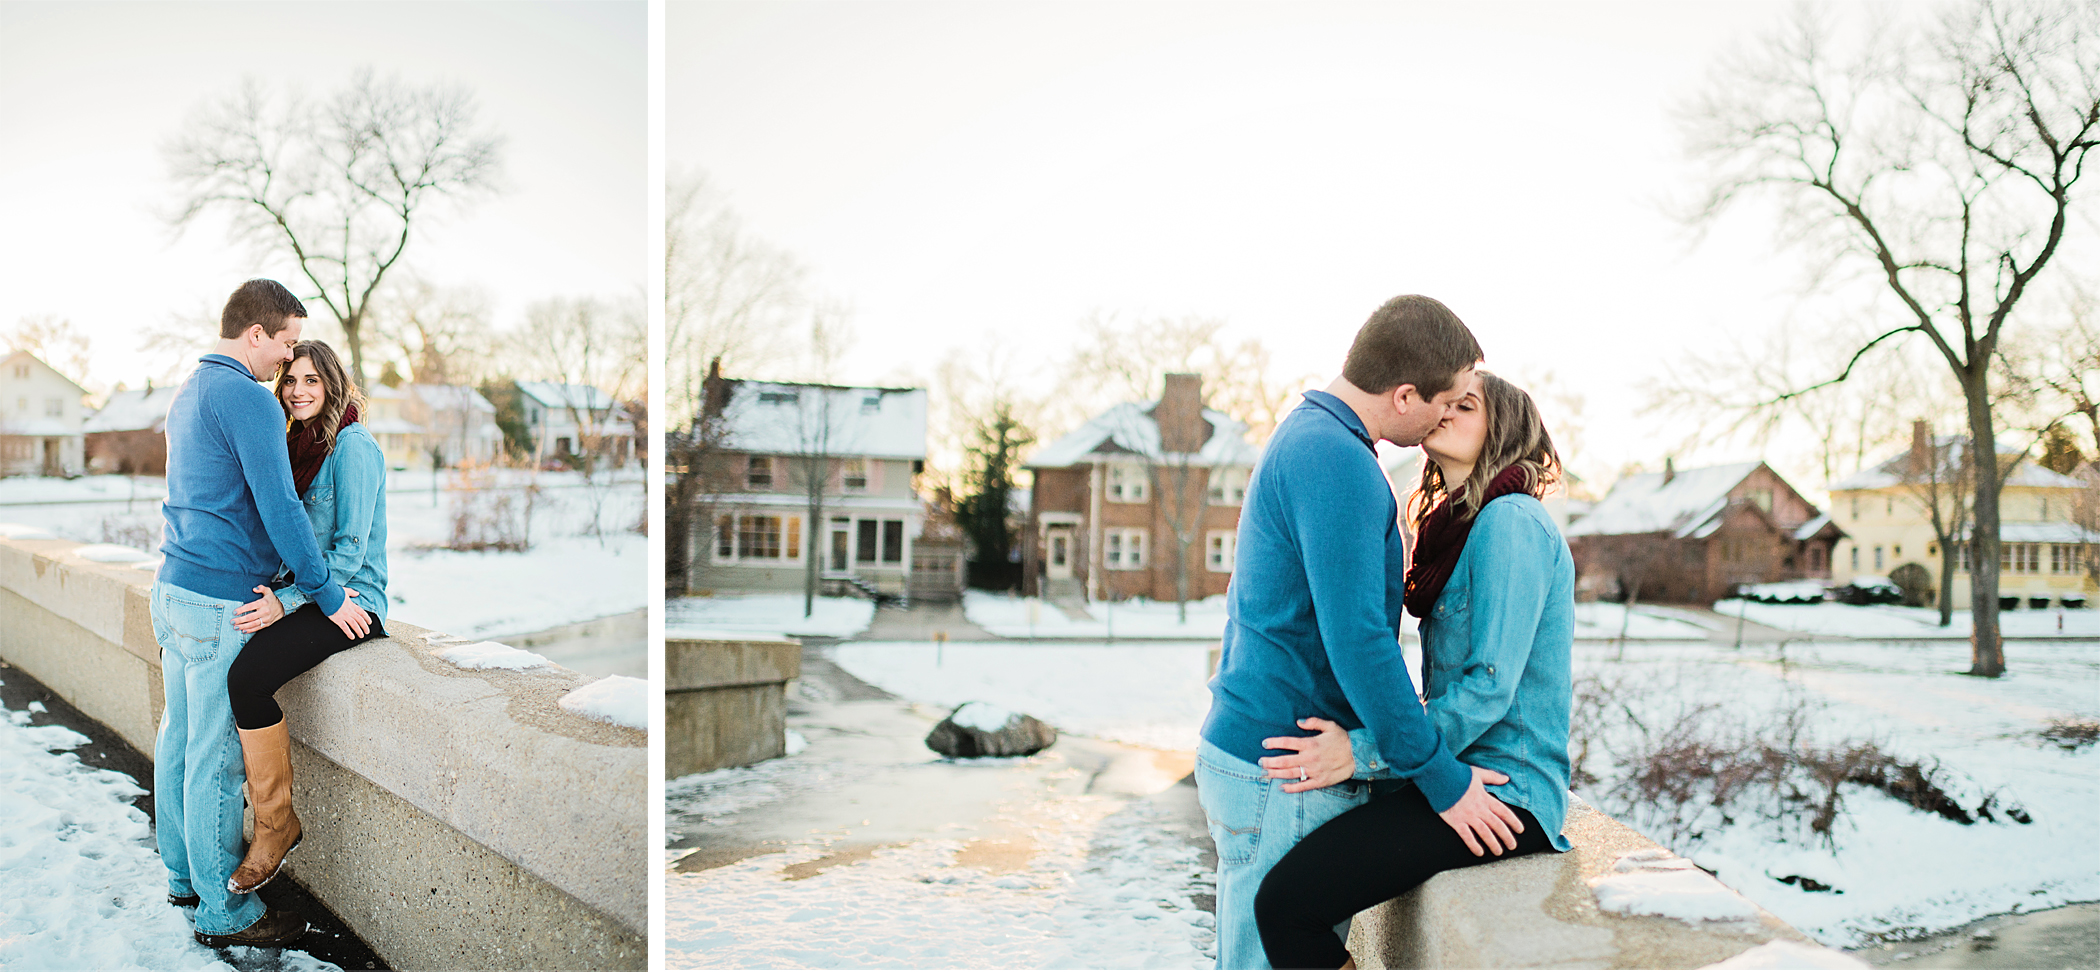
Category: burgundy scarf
<point>1443,538</point>
<point>309,451</point>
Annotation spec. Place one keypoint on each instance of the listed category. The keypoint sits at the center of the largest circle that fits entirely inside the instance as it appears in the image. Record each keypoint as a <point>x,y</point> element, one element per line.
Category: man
<point>1313,614</point>
<point>232,516</point>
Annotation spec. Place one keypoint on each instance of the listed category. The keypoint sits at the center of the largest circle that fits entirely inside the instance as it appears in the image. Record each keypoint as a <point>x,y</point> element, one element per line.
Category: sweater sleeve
<point>255,430</point>
<point>1345,568</point>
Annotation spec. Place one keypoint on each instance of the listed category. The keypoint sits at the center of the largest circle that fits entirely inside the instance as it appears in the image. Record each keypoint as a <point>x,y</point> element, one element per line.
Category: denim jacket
<point>1498,642</point>
<point>347,506</point>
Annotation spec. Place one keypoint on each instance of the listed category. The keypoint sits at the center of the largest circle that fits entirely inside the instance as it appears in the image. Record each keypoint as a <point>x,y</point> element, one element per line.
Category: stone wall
<point>453,818</point>
<point>725,702</point>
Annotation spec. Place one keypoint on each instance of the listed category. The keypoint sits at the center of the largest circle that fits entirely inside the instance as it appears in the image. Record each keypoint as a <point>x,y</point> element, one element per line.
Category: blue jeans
<point>1254,823</point>
<point>197,768</point>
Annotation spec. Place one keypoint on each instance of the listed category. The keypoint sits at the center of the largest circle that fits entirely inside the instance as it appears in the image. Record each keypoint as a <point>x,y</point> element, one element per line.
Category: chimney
<point>1920,448</point>
<point>1180,414</point>
<point>1669,470</point>
<point>714,393</point>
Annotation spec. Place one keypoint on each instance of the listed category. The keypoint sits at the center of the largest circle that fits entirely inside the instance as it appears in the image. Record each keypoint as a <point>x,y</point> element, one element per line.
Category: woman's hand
<point>259,613</point>
<point>1321,760</point>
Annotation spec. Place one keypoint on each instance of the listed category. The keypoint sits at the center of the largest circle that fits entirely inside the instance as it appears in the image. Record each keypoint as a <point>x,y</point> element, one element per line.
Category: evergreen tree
<point>982,514</point>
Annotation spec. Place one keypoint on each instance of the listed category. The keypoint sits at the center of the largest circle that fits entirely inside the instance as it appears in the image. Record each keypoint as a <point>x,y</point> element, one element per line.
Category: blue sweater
<point>1313,613</point>
<point>231,512</point>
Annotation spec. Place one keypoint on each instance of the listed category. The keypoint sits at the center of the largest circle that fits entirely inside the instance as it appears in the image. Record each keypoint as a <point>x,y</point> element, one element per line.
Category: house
<point>128,435</point>
<point>1692,536</point>
<point>1110,498</point>
<point>2045,552</point>
<point>856,449</point>
<point>41,415</point>
<point>567,420</point>
<point>458,425</point>
<point>385,415</point>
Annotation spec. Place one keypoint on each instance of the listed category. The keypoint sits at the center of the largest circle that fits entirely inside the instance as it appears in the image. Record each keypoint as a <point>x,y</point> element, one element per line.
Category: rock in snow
<point>983,729</point>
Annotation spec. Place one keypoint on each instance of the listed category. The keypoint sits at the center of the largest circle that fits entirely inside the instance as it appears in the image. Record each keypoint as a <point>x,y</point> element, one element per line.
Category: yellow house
<point>1884,510</point>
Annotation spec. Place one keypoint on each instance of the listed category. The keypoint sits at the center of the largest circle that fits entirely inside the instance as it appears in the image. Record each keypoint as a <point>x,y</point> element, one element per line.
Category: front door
<point>839,549</point>
<point>1057,562</point>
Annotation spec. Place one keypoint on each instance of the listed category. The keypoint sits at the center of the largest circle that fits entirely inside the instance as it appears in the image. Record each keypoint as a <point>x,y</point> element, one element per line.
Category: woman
<point>341,475</point>
<point>1494,585</point>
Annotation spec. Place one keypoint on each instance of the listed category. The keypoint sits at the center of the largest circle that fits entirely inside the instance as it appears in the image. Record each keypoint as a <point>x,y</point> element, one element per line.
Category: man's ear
<point>1399,396</point>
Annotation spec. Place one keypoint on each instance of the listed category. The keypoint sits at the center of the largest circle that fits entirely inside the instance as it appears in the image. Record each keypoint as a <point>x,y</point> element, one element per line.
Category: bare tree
<point>55,341</point>
<point>1939,476</point>
<point>1120,360</point>
<point>2055,374</point>
<point>594,353</point>
<point>1943,161</point>
<point>336,187</point>
<point>442,333</point>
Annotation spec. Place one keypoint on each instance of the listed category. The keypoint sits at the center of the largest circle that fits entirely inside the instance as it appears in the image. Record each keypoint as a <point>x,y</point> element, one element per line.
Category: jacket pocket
<point>1233,804</point>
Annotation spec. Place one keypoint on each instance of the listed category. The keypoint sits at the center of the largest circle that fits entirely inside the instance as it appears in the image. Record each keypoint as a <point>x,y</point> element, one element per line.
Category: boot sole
<point>257,886</point>
<point>229,941</point>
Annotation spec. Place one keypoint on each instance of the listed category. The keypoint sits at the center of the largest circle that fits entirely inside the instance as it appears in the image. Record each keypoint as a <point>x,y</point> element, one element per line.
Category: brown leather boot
<point>268,755</point>
<point>275,929</point>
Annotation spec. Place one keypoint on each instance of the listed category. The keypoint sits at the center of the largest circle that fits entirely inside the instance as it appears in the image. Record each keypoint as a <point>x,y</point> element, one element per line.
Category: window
<point>746,536</point>
<point>893,541</point>
<point>864,548</point>
<point>778,398</point>
<point>870,404</point>
<point>759,474</point>
<point>2020,558</point>
<point>853,475</point>
<point>56,408</point>
<point>1228,487</point>
<point>1855,509</point>
<point>1877,558</point>
<point>21,371</point>
<point>1815,558</point>
<point>1126,482</point>
<point>1855,558</point>
<point>1125,549</point>
<point>1763,499</point>
<point>1891,501</point>
<point>1218,550</point>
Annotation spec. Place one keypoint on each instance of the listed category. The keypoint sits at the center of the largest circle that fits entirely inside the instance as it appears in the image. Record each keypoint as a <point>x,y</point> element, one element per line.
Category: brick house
<point>1692,536</point>
<point>775,435</point>
<point>1108,498</point>
<point>128,435</point>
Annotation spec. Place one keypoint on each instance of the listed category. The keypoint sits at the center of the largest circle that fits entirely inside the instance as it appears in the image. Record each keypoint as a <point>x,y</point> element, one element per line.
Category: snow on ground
<point>1596,620</point>
<point>1147,695</point>
<point>1028,617</point>
<point>1902,872</point>
<point>1107,889</point>
<point>772,615</point>
<point>85,888</point>
<point>567,576</point>
<point>1888,621</point>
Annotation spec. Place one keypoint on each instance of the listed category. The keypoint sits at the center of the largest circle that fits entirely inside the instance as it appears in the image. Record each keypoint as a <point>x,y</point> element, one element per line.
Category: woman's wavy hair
<point>335,382</point>
<point>1516,436</point>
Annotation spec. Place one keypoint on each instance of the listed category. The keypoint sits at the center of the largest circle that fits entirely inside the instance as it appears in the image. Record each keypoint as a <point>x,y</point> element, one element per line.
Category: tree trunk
<point>816,471</point>
<point>1947,561</point>
<point>1987,653</point>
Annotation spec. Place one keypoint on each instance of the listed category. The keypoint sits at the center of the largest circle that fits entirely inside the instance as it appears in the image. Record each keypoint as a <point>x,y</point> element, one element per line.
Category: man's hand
<point>1481,814</point>
<point>259,613</point>
<point>351,618</point>
<point>1321,760</point>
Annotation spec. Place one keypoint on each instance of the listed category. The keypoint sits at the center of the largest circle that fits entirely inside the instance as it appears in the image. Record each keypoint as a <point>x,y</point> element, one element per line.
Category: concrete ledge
<point>725,702</point>
<point>456,818</point>
<point>1539,912</point>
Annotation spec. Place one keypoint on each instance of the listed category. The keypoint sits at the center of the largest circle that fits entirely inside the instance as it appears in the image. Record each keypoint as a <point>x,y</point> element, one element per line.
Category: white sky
<point>90,91</point>
<point>967,174</point>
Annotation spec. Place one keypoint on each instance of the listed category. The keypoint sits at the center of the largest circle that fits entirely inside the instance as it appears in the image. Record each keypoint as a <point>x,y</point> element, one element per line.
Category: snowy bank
<point>446,778</point>
<point>765,615</point>
<point>1029,617</point>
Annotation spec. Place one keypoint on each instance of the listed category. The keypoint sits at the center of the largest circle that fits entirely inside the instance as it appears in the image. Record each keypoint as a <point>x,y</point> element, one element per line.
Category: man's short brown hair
<point>259,301</point>
<point>1412,340</point>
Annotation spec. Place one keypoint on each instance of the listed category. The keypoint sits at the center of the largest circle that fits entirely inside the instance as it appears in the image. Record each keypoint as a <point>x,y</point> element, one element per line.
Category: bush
<point>487,515</point>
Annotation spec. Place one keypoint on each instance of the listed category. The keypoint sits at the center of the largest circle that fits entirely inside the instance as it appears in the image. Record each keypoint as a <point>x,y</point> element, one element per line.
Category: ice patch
<point>981,716</point>
<point>1782,954</point>
<point>1657,882</point>
<point>111,553</point>
<point>618,699</point>
<point>23,531</point>
<point>489,654</point>
<point>796,742</point>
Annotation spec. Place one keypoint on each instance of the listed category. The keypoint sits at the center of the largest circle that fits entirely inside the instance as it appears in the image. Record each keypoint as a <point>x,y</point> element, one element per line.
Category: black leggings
<point>276,655</point>
<point>1377,851</point>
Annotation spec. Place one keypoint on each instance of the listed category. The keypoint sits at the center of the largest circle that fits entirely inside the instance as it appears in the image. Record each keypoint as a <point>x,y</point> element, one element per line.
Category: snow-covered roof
<point>2045,531</point>
<point>132,410</point>
<point>1689,505</point>
<point>452,398</point>
<point>784,418</point>
<point>1895,470</point>
<point>555,395</point>
<point>1130,428</point>
<point>1812,527</point>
